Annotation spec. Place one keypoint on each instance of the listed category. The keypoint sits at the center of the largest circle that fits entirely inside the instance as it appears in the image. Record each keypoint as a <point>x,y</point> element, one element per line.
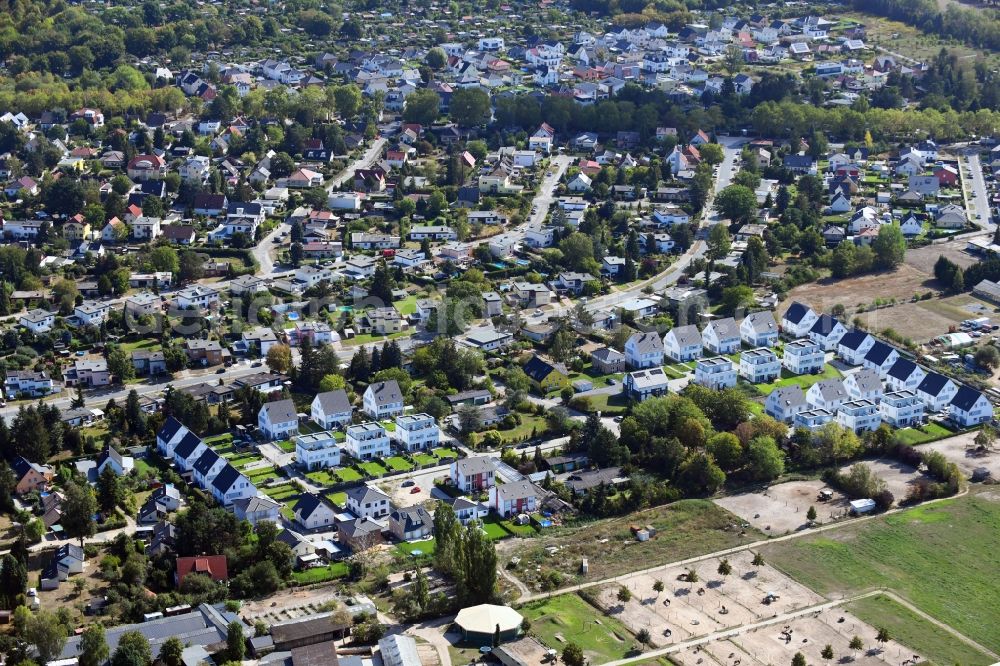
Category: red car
<point>415,490</point>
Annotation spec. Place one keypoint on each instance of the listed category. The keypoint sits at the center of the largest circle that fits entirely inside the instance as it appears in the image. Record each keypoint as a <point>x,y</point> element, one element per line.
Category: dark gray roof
<point>725,328</point>
<point>225,479</point>
<point>205,462</point>
<point>187,445</point>
<point>386,393</point>
<point>169,429</point>
<point>795,312</point>
<point>867,380</point>
<point>686,335</point>
<point>280,411</point>
<point>761,322</point>
<point>334,402</point>
<point>364,494</point>
<point>933,384</point>
<point>307,504</point>
<point>832,389</point>
<point>966,398</point>
<point>902,369</point>
<point>879,353</point>
<point>412,517</point>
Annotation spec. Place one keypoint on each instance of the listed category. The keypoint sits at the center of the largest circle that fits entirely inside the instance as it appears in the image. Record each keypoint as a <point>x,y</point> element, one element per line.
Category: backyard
<point>805,381</point>
<point>568,618</point>
<point>942,557</point>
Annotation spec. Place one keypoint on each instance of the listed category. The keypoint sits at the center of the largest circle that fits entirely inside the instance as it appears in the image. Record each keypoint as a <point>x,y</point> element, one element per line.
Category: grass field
<point>320,574</point>
<point>347,474</point>
<point>915,632</point>
<point>398,463</point>
<point>931,431</point>
<point>607,403</point>
<point>805,381</point>
<point>494,529</point>
<point>426,546</point>
<point>339,498</point>
<point>943,558</point>
<point>444,453</point>
<point>571,617</point>
<point>282,492</point>
<point>683,529</point>
<point>323,477</point>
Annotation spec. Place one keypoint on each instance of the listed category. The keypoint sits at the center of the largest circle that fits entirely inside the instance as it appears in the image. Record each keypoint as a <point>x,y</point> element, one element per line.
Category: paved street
<point>979,196</point>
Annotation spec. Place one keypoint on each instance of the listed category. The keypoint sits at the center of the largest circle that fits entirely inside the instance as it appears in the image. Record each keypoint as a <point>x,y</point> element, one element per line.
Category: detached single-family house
<point>512,499</point>
<point>798,320</point>
<point>644,350</point>
<point>682,343</point>
<point>383,400</point>
<point>278,419</point>
<point>785,402</point>
<point>969,407</point>
<point>411,523</point>
<point>803,356</point>
<point>367,502</point>
<point>937,391</point>
<point>721,336</point>
<point>864,384</point>
<point>473,474</point>
<point>331,409</point>
<point>880,358</point>
<point>827,332</point>
<point>642,384</point>
<point>366,441</point>
<point>904,375</point>
<point>828,394</point>
<point>759,329</point>
<point>759,365</point>
<point>312,512</point>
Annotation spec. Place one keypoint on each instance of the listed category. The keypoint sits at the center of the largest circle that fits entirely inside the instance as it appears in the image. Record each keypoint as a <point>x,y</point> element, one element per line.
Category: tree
<point>164,258</point>
<point>469,107</point>
<point>572,655</point>
<point>477,580</point>
<point>725,568</point>
<point>624,595</point>
<point>133,650</point>
<point>767,461</point>
<point>13,580</point>
<point>882,637</point>
<point>47,634</point>
<point>986,437</point>
<point>658,587</point>
<point>988,357</point>
<point>279,358</point>
<point>94,649</point>
<point>235,641</point>
<point>78,509</point>
<point>348,100</point>
<point>733,59</point>
<point>811,514</point>
<point>799,659</point>
<point>110,491</point>
<point>758,560</point>
<point>827,652</point>
<point>447,535</point>
<point>422,106</point>
<point>711,153</point>
<point>436,58</point>
<point>192,266</point>
<point>171,652</point>
<point>64,196</point>
<point>737,202</point>
<point>856,643</point>
<point>692,576</point>
<point>120,365</point>
<point>644,637</point>
<point>889,246</point>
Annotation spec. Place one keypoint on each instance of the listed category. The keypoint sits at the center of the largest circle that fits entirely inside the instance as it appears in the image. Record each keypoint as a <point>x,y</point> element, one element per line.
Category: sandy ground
<point>898,477</point>
<point>923,258</point>
<point>900,284</point>
<point>954,449</point>
<point>688,610</point>
<point>809,634</point>
<point>288,604</point>
<point>782,508</point>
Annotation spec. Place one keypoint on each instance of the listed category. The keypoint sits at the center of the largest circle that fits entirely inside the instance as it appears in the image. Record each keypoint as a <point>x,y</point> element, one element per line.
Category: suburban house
<point>827,332</point>
<point>547,376</point>
<point>473,474</point>
<point>683,343</point>
<point>278,420</point>
<point>31,477</point>
<point>864,384</point>
<point>880,358</point>
<point>257,509</point>
<point>759,365</point>
<point>37,321</point>
<point>331,409</point>
<point>411,523</point>
<point>119,464</point>
<point>231,485</point>
<point>416,432</point>
<point>904,375</point>
<point>187,451</point>
<point>785,402</point>
<point>798,320</point>
<point>969,407</point>
<point>28,383</point>
<point>317,450</point>
<point>366,441</point>
<point>759,329</point>
<point>803,356</point>
<point>643,350</point>
<point>383,400</point>
<point>859,416</point>
<point>828,394</point>
<point>721,336</point>
<point>312,512</point>
<point>937,391</point>
<point>853,346</point>
<point>901,409</point>
<point>512,499</point>
<point>715,373</point>
<point>367,502</point>
<point>607,361</point>
<point>643,384</point>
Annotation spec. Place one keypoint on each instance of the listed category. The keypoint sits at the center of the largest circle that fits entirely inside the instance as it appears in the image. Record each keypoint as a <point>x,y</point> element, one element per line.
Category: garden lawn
<point>261,474</point>
<point>519,530</point>
<point>444,453</point>
<point>218,440</point>
<point>942,557</point>
<point>572,618</point>
<point>347,474</point>
<point>425,459</point>
<point>928,433</point>
<point>286,445</point>
<point>398,463</point>
<point>320,574</point>
<point>805,381</point>
<point>913,631</point>
<point>339,498</point>
<point>407,306</point>
<point>426,547</point>
<point>494,529</point>
<point>373,468</point>
<point>607,403</point>
<point>322,477</point>
<point>281,492</point>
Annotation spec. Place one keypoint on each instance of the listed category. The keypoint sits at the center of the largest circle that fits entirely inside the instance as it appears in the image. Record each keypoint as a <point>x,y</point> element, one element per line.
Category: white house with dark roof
<point>473,474</point>
<point>313,512</point>
<point>865,384</point>
<point>880,358</point>
<point>366,441</point>
<point>828,394</point>
<point>937,391</point>
<point>784,402</point>
<point>904,375</point>
<point>92,313</point>
<point>37,321</point>
<point>969,407</point>
<point>119,464</point>
<point>230,485</point>
<point>827,332</point>
<point>367,502</point>
<point>798,320</point>
<point>901,409</point>
<point>759,329</point>
<point>383,400</point>
<point>278,419</point>
<point>682,343</point>
<point>644,350</point>
<point>721,336</point>
<point>187,451</point>
<point>643,384</point>
<point>207,467</point>
<point>853,347</point>
<point>813,419</point>
<point>172,432</point>
<point>331,409</point>
<point>803,356</point>
<point>716,373</point>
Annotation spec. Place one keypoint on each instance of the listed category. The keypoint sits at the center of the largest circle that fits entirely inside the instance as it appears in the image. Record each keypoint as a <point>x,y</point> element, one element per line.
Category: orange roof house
<point>213,566</point>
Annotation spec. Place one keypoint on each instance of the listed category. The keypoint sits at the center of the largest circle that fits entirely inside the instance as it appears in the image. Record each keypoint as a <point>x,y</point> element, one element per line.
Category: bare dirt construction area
<point>923,258</point>
<point>960,450</point>
<point>289,604</point>
<point>778,643</point>
<point>923,320</point>
<point>900,284</point>
<point>686,610</point>
<point>782,508</point>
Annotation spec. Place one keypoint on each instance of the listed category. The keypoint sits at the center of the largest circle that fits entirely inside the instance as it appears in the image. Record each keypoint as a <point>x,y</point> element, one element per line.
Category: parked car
<point>408,483</point>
